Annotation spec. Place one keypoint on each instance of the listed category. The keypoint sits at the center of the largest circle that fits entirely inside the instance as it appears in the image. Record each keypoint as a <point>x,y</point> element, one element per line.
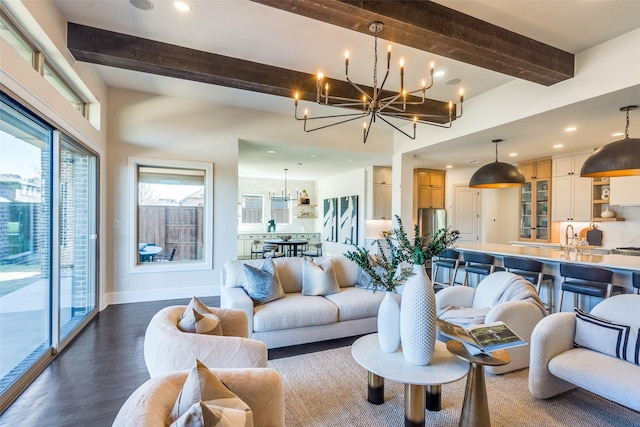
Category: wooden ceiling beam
<point>118,50</point>
<point>433,28</point>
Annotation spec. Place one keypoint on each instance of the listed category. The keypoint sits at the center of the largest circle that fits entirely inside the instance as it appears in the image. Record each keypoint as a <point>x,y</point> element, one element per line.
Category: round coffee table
<point>475,409</point>
<point>422,384</point>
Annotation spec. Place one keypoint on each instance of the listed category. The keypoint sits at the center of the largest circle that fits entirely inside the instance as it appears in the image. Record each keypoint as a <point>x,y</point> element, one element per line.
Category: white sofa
<point>500,296</point>
<point>558,366</point>
<point>299,319</point>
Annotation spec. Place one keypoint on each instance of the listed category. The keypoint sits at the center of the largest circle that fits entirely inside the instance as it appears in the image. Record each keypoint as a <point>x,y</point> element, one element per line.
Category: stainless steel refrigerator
<point>431,220</point>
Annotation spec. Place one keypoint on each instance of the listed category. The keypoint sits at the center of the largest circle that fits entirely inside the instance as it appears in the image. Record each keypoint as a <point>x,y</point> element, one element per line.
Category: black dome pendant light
<point>619,158</point>
<point>497,174</point>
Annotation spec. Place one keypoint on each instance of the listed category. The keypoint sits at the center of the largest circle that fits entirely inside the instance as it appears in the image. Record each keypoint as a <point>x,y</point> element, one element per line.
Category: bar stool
<point>531,270</point>
<point>449,259</point>
<point>477,263</point>
<point>635,279</point>
<point>586,280</point>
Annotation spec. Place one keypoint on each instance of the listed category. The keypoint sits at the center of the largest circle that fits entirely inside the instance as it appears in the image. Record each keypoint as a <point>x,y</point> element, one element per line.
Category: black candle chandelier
<point>375,106</point>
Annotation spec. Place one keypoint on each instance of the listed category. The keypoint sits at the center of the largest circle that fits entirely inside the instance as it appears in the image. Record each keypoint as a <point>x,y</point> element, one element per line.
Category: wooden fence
<point>169,226</point>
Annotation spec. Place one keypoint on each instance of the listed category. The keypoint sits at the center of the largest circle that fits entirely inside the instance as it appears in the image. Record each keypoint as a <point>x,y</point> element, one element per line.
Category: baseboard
<point>160,294</point>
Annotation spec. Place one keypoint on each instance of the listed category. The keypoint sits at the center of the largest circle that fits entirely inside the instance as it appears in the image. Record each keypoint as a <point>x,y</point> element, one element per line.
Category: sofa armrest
<point>237,298</point>
<point>551,336</point>
<point>234,321</point>
<point>456,296</point>
<point>261,389</point>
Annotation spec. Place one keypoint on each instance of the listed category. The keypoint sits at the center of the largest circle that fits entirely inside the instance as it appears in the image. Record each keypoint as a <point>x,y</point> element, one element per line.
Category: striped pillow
<point>604,336</point>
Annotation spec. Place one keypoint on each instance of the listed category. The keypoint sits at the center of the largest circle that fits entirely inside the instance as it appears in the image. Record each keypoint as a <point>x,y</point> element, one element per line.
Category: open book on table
<point>483,338</point>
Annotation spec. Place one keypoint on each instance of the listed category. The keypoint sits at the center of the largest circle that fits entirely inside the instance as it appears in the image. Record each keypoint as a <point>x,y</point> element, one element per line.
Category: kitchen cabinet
<point>378,193</point>
<point>429,188</point>
<point>571,195</point>
<point>536,169</point>
<point>601,200</point>
<point>624,191</point>
<point>535,206</point>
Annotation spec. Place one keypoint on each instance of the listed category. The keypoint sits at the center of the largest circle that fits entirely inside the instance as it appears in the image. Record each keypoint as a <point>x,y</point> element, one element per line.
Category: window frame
<point>207,262</point>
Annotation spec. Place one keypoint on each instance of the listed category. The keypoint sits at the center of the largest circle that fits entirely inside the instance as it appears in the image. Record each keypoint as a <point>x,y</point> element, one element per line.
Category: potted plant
<point>423,248</point>
<point>385,271</point>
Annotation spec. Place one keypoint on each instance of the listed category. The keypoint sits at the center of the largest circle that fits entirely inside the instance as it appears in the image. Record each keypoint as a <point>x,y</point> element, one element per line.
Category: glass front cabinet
<point>535,206</point>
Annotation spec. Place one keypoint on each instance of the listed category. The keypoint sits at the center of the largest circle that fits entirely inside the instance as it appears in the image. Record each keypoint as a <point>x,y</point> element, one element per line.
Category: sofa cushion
<point>355,303</point>
<point>263,284</point>
<point>202,385</point>
<point>347,271</point>
<point>604,336</point>
<point>606,376</point>
<point>290,273</point>
<point>319,279</point>
<point>294,311</point>
<point>234,271</point>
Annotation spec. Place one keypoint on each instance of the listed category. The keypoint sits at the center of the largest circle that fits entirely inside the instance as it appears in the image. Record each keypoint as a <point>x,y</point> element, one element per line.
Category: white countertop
<point>620,262</point>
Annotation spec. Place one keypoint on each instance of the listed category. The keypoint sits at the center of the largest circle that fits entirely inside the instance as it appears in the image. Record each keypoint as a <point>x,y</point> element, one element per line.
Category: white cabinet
<point>378,203</point>
<point>571,194</point>
<point>625,191</point>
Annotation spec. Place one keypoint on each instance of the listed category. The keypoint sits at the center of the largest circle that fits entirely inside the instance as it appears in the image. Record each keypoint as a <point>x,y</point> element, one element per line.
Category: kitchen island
<point>621,265</point>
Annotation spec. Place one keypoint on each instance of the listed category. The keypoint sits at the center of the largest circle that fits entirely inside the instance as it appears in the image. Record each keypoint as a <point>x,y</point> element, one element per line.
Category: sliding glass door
<point>48,243</point>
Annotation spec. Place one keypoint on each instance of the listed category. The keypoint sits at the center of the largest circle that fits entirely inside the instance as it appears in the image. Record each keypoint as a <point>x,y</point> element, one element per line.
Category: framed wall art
<point>330,220</point>
<point>348,220</point>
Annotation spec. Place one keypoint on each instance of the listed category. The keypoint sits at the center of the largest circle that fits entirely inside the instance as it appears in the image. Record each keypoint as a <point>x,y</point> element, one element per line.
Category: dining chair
<point>316,252</point>
<point>256,249</point>
<point>271,250</point>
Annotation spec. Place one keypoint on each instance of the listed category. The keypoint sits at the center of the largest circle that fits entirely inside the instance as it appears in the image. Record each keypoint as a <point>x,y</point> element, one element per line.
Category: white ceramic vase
<point>389,324</point>
<point>418,318</point>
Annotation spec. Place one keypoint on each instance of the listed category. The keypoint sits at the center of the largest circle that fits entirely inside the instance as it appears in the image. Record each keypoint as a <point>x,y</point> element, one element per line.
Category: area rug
<point>328,388</point>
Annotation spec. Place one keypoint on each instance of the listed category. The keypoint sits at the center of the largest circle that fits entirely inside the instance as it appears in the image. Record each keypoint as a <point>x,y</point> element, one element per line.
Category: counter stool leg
<point>375,389</point>
<point>414,404</point>
<point>434,397</point>
<point>475,409</point>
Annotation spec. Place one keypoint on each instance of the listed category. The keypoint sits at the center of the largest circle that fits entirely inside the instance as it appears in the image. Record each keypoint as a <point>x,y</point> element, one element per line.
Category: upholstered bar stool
<point>449,259</point>
<point>531,270</point>
<point>586,280</point>
<point>635,279</point>
<point>477,263</point>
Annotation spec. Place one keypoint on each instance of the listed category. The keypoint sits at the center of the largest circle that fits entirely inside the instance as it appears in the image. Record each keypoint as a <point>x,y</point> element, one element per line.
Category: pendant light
<point>619,158</point>
<point>497,174</point>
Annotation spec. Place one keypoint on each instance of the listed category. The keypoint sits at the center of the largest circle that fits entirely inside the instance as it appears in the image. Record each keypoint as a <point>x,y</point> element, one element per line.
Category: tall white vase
<point>418,318</point>
<point>389,324</point>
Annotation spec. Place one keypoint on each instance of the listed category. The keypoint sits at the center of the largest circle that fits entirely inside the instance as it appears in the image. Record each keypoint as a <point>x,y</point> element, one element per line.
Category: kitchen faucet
<point>566,235</point>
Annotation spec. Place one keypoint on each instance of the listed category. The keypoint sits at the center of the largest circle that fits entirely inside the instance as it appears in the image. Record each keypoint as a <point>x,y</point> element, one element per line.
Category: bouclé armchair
<point>500,296</point>
<point>168,349</point>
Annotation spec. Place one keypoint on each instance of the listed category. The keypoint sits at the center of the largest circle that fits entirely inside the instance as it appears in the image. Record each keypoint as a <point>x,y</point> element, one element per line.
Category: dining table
<point>291,245</point>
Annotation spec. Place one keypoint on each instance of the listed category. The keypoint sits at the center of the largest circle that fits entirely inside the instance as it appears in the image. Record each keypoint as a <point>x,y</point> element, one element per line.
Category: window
<point>252,209</point>
<point>281,211</point>
<point>173,214</point>
<point>61,86</point>
<point>9,33</point>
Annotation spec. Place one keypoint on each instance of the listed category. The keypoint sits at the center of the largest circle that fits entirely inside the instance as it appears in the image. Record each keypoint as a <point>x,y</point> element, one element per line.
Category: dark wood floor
<point>87,383</point>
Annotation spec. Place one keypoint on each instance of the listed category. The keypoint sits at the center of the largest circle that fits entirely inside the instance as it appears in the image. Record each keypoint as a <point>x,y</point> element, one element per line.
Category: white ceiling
<point>243,29</point>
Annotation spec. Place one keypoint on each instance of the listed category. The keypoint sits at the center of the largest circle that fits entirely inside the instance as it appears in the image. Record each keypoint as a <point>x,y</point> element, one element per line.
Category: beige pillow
<point>319,279</point>
<point>202,385</point>
<point>198,319</point>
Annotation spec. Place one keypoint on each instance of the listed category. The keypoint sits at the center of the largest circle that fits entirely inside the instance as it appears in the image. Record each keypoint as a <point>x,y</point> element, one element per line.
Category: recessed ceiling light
<point>142,4</point>
<point>513,154</point>
<point>349,160</point>
<point>472,161</point>
<point>449,166</point>
<point>439,73</point>
<point>182,6</point>
<point>617,134</point>
<point>300,164</point>
<point>271,152</point>
<point>453,82</point>
<point>558,146</point>
<point>570,129</point>
<point>313,156</point>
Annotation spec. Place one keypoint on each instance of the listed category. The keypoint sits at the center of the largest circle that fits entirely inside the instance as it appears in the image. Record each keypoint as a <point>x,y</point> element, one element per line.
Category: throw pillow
<point>263,284</point>
<point>319,279</point>
<point>604,336</point>
<point>196,323</point>
<point>202,414</point>
<point>202,385</point>
<point>198,306</point>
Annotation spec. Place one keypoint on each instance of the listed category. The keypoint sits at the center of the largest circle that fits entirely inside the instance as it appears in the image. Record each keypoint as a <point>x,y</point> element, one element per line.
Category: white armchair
<point>168,349</point>
<point>557,365</point>
<point>500,296</point>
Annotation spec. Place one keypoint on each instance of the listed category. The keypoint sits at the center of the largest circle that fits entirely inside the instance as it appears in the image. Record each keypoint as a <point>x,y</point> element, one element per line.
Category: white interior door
<point>466,213</point>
